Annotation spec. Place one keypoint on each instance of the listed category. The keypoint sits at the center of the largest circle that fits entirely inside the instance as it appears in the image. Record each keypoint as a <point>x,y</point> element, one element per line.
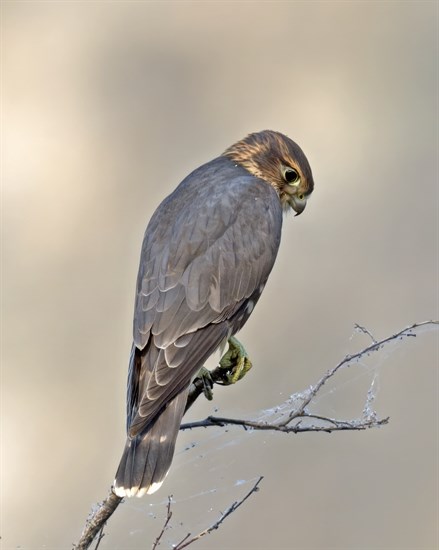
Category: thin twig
<point>186,541</point>
<point>100,537</point>
<point>313,390</point>
<point>366,331</point>
<point>165,525</point>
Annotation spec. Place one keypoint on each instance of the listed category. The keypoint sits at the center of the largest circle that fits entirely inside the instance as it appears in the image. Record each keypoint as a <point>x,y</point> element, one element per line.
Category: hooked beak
<point>298,205</point>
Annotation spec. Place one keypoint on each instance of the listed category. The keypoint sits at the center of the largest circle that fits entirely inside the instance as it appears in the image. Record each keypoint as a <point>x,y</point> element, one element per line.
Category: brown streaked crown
<point>266,154</point>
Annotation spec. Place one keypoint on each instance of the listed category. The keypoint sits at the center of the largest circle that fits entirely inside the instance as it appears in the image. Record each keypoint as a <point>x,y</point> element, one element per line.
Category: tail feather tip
<point>153,487</point>
<point>120,491</point>
<point>139,492</point>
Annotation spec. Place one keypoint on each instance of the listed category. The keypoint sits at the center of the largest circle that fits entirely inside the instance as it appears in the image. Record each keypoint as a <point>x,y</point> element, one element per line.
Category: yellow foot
<point>207,382</point>
<point>235,362</point>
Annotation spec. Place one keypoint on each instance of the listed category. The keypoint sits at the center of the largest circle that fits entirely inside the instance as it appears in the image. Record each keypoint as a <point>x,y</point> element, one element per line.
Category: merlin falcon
<point>206,256</point>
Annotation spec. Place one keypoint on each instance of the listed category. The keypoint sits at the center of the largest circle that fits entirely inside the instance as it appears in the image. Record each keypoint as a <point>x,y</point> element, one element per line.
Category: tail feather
<point>147,457</point>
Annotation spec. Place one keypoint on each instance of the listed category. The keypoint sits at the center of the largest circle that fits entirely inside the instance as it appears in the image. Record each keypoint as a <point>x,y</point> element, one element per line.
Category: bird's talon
<point>235,363</point>
<point>205,379</point>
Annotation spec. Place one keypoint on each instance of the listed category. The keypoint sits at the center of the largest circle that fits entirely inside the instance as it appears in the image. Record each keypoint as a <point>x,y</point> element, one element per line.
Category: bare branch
<point>165,525</point>
<point>375,346</point>
<point>186,541</point>
<point>297,421</point>
<point>334,425</point>
<point>97,519</point>
<point>293,423</point>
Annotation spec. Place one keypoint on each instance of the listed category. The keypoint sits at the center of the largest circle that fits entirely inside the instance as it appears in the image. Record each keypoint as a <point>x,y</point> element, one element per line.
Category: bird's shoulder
<point>207,247</point>
<point>210,199</point>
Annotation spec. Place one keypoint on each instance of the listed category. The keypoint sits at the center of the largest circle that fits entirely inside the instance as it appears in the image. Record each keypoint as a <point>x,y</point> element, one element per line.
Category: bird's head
<point>279,161</point>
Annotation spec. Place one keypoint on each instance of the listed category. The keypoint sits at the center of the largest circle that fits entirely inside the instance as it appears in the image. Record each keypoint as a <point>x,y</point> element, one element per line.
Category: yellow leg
<point>235,362</point>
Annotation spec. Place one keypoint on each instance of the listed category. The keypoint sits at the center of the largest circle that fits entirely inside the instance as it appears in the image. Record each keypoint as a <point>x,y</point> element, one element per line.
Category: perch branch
<point>97,519</point>
<point>331,426</point>
<point>293,423</point>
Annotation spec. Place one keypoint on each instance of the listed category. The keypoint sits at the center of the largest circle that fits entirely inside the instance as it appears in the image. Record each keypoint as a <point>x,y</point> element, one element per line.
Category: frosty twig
<point>298,419</point>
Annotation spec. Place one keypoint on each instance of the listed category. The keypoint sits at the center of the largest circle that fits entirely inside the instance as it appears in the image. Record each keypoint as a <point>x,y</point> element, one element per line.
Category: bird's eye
<point>291,176</point>
<point>301,197</point>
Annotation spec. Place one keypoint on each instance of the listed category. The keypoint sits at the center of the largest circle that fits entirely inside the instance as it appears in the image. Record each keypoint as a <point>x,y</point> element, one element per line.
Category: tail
<point>147,457</point>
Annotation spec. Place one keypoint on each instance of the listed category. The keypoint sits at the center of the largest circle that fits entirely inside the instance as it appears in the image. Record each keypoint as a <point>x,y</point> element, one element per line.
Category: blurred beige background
<point>106,107</point>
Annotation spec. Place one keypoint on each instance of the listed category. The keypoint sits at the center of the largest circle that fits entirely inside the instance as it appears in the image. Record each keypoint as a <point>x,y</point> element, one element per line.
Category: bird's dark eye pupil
<point>291,175</point>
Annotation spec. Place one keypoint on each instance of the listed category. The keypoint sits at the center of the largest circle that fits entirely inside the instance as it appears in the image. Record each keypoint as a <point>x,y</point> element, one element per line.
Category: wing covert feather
<point>208,247</point>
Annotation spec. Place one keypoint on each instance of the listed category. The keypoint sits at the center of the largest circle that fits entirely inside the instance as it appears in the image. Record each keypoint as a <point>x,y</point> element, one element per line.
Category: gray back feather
<point>209,246</point>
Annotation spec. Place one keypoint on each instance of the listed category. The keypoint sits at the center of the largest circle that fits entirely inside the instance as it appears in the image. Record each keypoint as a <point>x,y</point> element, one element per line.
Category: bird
<point>206,256</point>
